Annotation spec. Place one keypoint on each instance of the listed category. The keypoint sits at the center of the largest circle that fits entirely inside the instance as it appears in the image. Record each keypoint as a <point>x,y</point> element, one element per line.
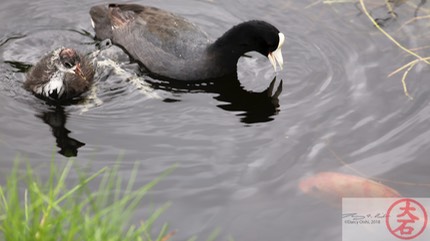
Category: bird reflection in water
<point>56,118</point>
<point>253,107</point>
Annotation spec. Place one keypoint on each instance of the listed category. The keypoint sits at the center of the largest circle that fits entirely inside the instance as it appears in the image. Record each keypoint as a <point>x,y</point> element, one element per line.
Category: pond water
<point>240,147</point>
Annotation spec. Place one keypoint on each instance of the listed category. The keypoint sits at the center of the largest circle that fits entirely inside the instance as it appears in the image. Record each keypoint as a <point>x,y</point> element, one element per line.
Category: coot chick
<point>171,47</point>
<point>63,74</point>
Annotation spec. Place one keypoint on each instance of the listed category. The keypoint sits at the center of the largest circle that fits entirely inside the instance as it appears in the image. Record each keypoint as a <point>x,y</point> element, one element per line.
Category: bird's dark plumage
<point>171,47</point>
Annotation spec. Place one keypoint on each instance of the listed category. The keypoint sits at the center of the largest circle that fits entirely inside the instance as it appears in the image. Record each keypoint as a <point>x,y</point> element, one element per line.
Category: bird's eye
<point>68,65</point>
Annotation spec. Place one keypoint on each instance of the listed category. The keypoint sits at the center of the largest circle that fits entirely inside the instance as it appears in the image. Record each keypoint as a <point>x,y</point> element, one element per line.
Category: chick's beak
<point>78,71</point>
<point>275,57</point>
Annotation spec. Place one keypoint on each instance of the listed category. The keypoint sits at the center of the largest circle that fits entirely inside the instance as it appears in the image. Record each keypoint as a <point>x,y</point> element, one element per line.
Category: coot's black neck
<point>234,42</point>
<point>248,36</point>
<point>227,49</point>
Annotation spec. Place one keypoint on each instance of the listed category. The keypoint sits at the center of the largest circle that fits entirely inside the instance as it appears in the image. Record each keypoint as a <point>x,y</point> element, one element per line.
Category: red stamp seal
<point>406,218</point>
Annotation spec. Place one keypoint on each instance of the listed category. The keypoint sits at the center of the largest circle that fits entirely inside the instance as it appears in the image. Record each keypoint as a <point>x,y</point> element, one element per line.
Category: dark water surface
<point>240,150</point>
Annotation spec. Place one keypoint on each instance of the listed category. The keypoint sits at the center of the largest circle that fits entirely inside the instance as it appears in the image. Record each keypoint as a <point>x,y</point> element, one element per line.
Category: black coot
<point>171,47</point>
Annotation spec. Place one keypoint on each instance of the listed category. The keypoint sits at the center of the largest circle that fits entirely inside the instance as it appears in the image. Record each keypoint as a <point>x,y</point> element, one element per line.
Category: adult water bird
<point>171,47</point>
<point>60,75</point>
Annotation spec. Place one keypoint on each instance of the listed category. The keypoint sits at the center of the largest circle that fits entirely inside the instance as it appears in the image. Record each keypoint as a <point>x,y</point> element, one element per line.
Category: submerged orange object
<point>332,186</point>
